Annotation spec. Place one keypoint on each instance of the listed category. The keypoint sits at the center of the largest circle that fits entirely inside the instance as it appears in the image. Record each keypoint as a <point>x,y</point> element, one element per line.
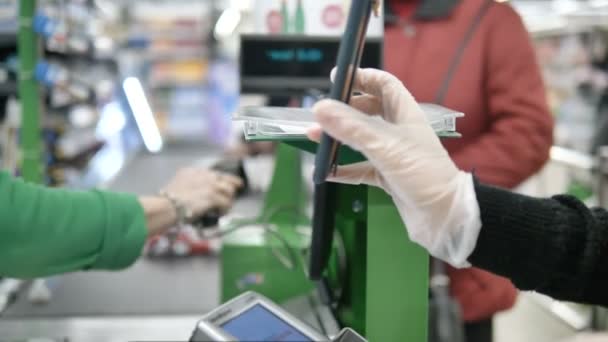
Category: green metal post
<point>31,144</point>
<point>286,191</point>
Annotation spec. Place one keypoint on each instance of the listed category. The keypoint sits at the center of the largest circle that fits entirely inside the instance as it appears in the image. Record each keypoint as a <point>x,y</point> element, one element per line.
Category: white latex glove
<point>436,201</point>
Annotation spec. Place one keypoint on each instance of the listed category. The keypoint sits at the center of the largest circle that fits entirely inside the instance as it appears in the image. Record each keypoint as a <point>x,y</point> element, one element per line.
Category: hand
<point>405,158</point>
<point>200,189</point>
<point>197,189</point>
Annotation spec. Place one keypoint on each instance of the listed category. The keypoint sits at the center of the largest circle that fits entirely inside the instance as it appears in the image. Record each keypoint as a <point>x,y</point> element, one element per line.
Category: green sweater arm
<point>47,231</point>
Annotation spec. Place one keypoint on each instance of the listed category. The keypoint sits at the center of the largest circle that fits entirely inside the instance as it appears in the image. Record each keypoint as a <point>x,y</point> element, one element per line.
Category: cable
<point>313,305</point>
<point>268,229</point>
<point>342,265</point>
<point>340,248</point>
<point>281,208</point>
<point>266,225</point>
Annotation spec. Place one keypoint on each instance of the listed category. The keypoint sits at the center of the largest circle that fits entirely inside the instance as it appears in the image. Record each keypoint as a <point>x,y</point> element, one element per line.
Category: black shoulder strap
<point>443,90</point>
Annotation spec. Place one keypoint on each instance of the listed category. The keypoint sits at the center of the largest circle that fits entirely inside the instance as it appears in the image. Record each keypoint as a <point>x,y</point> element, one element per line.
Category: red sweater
<point>508,129</point>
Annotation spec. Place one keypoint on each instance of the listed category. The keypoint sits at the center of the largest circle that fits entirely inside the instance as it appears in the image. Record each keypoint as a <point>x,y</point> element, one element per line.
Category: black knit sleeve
<point>555,246</point>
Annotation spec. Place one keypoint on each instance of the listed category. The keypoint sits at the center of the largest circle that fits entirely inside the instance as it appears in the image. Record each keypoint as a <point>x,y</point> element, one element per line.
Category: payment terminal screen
<point>260,324</point>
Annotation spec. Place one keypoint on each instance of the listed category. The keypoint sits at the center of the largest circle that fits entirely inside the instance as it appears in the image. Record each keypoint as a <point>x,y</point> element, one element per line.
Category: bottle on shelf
<point>57,77</point>
<point>58,37</point>
<point>299,19</point>
<point>48,27</point>
<point>284,17</point>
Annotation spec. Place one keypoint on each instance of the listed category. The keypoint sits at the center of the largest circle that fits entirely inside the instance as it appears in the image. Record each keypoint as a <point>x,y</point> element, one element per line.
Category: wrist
<point>462,222</point>
<point>182,213</point>
<point>160,214</point>
<point>447,223</point>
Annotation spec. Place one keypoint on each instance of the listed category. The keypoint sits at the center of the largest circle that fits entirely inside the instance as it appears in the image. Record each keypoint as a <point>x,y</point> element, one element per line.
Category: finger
<point>224,188</point>
<point>222,201</point>
<point>235,182</point>
<point>366,83</point>
<point>314,133</point>
<point>348,125</point>
<point>398,104</point>
<point>368,104</point>
<point>370,81</point>
<point>359,173</point>
<point>206,176</point>
<point>374,81</point>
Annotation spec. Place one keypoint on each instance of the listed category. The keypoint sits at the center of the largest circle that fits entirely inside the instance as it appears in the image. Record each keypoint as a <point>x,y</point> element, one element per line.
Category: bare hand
<point>201,189</point>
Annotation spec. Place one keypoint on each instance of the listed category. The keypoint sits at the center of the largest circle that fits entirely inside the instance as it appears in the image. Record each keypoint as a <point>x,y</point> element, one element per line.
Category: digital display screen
<point>260,324</point>
<point>301,63</point>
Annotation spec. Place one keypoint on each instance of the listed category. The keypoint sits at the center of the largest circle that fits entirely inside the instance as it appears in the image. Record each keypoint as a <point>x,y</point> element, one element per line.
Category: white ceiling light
<point>227,23</point>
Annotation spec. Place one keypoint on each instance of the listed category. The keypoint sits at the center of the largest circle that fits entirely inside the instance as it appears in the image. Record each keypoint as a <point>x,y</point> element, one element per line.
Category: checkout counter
<point>375,281</point>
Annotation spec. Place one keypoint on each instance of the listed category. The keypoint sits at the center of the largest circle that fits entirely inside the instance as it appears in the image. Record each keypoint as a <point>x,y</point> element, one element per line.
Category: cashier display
<point>252,317</point>
<point>295,64</point>
<point>259,324</point>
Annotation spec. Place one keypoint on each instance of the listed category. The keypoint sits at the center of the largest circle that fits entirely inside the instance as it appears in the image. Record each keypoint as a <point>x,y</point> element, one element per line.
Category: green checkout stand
<point>385,286</point>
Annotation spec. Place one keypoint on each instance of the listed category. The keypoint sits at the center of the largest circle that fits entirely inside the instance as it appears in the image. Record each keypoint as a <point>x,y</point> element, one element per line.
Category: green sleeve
<point>47,231</point>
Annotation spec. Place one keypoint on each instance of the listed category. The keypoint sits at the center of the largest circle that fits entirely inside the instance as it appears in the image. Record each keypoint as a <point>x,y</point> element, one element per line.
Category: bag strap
<point>443,90</point>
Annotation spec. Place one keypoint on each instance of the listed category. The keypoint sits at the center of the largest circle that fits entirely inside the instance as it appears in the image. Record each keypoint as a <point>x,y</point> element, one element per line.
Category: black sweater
<point>555,246</point>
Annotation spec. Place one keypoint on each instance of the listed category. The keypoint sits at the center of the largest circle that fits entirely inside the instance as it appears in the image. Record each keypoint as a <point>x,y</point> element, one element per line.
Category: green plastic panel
<point>251,258</point>
<point>286,197</point>
<point>249,263</point>
<point>397,276</point>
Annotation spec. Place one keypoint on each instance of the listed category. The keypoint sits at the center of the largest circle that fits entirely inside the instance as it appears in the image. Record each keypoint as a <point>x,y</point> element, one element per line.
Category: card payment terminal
<point>252,317</point>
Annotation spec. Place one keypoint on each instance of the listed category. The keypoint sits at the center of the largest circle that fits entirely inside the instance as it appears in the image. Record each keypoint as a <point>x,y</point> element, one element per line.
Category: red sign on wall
<point>274,21</point>
<point>332,16</point>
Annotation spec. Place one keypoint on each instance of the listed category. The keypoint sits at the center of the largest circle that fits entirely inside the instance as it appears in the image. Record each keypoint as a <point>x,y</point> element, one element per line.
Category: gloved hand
<point>436,201</point>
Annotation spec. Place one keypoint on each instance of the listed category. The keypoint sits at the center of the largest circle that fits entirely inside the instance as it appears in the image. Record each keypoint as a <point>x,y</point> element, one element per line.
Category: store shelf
<point>175,34</point>
<point>547,19</point>
<point>8,39</point>
<point>68,56</point>
<point>178,55</point>
<point>168,83</point>
<point>8,88</point>
<point>547,32</point>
